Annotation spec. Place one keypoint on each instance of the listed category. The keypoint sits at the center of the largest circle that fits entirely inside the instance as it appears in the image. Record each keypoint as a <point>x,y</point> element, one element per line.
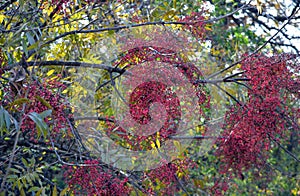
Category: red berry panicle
<point>94,180</point>
<point>35,96</point>
<point>250,128</point>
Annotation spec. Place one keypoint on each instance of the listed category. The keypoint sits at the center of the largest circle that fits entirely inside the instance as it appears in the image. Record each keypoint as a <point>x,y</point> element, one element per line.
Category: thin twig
<point>283,148</point>
<point>257,50</point>
<point>94,118</point>
<point>231,96</point>
<point>143,24</point>
<point>10,161</point>
<point>197,137</point>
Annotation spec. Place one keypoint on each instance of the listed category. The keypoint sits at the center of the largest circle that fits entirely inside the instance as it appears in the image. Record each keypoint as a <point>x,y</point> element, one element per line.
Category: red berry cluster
<point>93,180</point>
<point>195,24</point>
<point>264,117</point>
<point>157,46</point>
<point>45,96</point>
<point>63,4</point>
<point>269,75</point>
<point>139,103</point>
<point>60,4</point>
<point>167,177</point>
<point>150,92</point>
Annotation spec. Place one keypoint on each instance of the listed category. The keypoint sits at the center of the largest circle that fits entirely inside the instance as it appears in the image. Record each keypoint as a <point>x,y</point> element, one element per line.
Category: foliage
<point>51,51</point>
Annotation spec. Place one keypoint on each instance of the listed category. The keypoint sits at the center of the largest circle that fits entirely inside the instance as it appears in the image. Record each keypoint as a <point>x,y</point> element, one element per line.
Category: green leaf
<point>24,45</point>
<point>13,176</point>
<point>111,32</point>
<point>32,161</point>
<point>39,192</point>
<point>11,180</point>
<point>16,124</point>
<point>19,167</point>
<point>34,189</point>
<point>33,46</point>
<point>21,2</point>
<point>30,38</point>
<point>19,102</point>
<point>2,122</point>
<point>19,183</point>
<point>5,121</point>
<point>27,177</point>
<point>44,102</point>
<point>46,113</point>
<point>24,161</point>
<point>22,192</point>
<point>41,126</point>
<point>39,170</point>
<point>15,170</point>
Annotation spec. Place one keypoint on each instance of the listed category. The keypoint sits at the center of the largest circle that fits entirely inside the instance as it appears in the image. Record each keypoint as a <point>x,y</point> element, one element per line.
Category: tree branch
<point>259,48</point>
<point>67,63</point>
<point>143,24</point>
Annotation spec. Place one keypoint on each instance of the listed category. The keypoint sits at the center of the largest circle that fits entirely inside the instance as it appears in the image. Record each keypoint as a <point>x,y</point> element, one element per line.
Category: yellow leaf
<point>178,145</point>
<point>64,91</point>
<point>208,27</point>
<point>50,72</point>
<point>155,150</point>
<point>158,143</point>
<point>277,6</point>
<point>2,17</point>
<point>199,183</point>
<point>54,193</point>
<point>259,6</point>
<point>180,174</point>
<point>49,10</point>
<point>119,9</point>
<point>22,192</point>
<point>238,65</point>
<point>153,144</point>
<point>64,191</point>
<point>39,192</point>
